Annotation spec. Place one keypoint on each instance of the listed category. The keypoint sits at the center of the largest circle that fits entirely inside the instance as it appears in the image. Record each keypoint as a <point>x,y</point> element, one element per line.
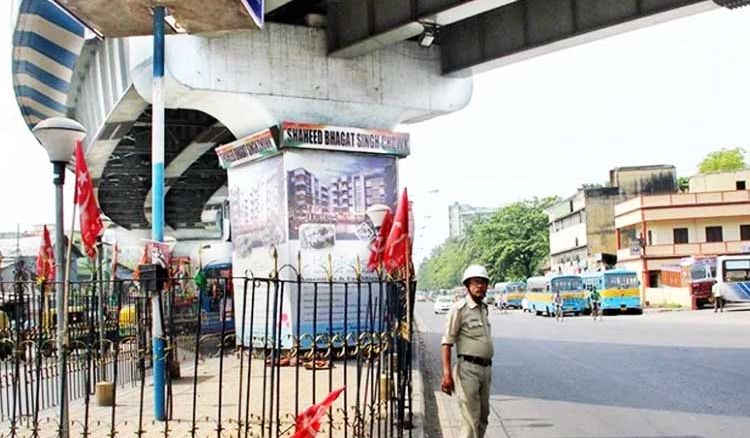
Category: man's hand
<point>447,385</point>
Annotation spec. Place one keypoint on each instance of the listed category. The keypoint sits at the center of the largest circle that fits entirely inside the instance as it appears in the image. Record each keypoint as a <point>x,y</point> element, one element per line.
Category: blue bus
<point>619,289</point>
<point>513,291</point>
<point>539,292</point>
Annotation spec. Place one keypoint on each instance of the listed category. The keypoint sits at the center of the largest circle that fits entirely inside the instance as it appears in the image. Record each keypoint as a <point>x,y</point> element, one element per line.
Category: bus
<point>514,292</point>
<point>733,277</point>
<point>539,292</point>
<point>696,274</point>
<point>495,295</point>
<point>619,289</point>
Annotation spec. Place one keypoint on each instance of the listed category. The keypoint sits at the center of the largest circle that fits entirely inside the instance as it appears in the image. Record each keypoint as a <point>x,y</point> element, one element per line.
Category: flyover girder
<point>529,28</point>
<point>356,27</point>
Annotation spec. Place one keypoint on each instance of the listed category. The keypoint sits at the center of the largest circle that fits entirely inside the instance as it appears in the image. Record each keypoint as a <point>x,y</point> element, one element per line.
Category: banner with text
<point>371,141</point>
<point>250,148</point>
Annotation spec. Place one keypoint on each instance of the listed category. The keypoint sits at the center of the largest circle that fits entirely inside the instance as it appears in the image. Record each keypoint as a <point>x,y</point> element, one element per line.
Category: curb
<point>417,390</point>
<point>664,310</point>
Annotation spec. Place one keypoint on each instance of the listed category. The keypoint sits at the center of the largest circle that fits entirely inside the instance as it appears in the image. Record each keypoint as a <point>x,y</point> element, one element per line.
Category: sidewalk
<point>221,402</point>
<point>448,413</point>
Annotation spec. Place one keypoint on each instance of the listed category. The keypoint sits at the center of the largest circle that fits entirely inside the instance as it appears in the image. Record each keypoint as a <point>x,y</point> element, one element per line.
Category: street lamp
<point>58,136</point>
<point>376,213</point>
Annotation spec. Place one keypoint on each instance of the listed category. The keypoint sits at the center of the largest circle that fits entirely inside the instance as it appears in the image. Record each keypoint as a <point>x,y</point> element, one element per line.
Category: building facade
<point>461,216</point>
<point>582,227</point>
<point>658,230</point>
<point>717,182</point>
<point>309,196</point>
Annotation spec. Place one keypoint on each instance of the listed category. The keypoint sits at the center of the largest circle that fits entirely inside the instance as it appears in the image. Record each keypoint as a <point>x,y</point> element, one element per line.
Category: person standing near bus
<point>503,302</point>
<point>558,303</point>
<point>718,298</point>
<point>595,300</point>
<point>468,328</point>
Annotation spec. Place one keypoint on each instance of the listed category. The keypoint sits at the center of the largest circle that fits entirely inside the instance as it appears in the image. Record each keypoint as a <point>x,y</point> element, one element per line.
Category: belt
<point>476,360</point>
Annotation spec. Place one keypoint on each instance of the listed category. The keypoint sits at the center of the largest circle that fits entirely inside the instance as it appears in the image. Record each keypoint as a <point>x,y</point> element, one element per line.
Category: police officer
<point>468,328</point>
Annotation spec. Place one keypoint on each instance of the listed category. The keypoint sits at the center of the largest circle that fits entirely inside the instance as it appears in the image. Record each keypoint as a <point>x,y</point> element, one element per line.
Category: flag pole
<point>407,266</point>
<point>68,264</point>
<point>62,323</point>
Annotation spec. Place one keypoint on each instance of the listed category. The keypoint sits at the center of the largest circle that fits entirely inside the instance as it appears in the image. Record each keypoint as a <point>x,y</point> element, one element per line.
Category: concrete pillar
<point>302,196</point>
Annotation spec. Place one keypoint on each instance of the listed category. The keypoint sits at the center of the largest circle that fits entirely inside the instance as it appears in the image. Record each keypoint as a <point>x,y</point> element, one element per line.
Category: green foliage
<point>444,267</point>
<point>512,244</point>
<point>725,160</point>
<point>683,183</point>
<point>593,186</point>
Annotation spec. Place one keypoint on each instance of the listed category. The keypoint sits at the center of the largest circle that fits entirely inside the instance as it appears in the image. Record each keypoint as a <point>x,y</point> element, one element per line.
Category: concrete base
<point>105,394</point>
<point>309,209</point>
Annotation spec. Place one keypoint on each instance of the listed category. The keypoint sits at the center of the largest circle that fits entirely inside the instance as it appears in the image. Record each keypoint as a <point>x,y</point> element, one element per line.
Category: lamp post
<point>376,213</point>
<point>58,136</point>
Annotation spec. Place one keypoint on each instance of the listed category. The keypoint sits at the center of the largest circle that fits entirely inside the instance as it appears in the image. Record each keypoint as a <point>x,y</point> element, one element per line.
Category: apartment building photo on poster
<point>328,194</point>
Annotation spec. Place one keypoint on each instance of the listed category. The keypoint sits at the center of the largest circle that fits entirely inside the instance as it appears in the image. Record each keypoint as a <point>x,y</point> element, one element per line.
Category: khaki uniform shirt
<point>468,328</point>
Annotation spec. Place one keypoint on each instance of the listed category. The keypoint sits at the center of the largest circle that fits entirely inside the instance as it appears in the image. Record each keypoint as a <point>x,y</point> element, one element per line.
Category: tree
<point>683,183</point>
<point>725,160</point>
<point>514,242</point>
<point>444,267</point>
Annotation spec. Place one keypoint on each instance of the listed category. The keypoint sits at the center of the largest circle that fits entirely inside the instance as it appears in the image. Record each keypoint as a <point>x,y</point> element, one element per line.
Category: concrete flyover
<point>352,63</point>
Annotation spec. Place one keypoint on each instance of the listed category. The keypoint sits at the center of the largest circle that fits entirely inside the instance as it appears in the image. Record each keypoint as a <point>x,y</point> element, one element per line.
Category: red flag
<point>308,421</point>
<point>378,245</point>
<point>91,222</point>
<point>397,245</point>
<point>144,260</point>
<point>45,259</point>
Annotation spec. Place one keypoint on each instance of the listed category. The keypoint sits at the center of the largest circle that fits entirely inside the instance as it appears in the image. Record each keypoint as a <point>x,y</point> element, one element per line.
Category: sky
<point>668,94</point>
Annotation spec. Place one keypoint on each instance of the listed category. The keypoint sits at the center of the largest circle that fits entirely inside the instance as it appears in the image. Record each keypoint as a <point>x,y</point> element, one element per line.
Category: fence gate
<point>245,357</point>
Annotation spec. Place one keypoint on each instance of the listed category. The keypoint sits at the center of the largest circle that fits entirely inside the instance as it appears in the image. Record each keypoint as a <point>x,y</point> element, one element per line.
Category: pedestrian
<point>504,302</point>
<point>468,328</point>
<point>718,298</point>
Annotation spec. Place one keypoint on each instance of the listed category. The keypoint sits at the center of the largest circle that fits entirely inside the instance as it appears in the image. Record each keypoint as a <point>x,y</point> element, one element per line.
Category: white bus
<point>733,277</point>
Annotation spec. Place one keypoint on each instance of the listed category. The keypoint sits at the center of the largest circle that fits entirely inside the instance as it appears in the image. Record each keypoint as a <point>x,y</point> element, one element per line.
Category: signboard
<point>335,138</point>
<point>255,8</point>
<point>251,148</point>
<point>313,205</point>
<point>635,247</point>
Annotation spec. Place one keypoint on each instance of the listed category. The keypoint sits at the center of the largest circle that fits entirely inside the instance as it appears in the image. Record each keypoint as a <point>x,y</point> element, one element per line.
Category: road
<point>657,375</point>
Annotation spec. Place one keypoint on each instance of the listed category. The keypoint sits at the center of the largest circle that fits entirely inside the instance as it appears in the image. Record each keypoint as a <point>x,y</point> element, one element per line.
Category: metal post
<point>100,310</point>
<point>157,206</point>
<point>59,181</point>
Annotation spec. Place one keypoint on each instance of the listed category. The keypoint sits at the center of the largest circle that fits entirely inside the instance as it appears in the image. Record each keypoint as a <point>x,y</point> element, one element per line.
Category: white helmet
<point>475,271</point>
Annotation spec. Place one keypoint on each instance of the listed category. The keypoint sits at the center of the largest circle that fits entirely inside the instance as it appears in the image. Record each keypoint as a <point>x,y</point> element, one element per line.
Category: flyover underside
<point>219,94</point>
<point>126,180</point>
<point>529,28</point>
<point>479,35</point>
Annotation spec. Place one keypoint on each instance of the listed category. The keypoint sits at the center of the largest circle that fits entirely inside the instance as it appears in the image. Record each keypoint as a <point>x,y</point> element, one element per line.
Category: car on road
<point>491,298</point>
<point>442,304</point>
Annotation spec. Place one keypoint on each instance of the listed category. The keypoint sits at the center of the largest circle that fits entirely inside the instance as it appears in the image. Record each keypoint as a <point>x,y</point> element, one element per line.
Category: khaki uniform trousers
<point>473,388</point>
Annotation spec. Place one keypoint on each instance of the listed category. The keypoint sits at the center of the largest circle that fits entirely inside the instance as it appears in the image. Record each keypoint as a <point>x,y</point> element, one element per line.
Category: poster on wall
<point>328,196</point>
<point>258,217</point>
<point>330,192</point>
<point>310,203</point>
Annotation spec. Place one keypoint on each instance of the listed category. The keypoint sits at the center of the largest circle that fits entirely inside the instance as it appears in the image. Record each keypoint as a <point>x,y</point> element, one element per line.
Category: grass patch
<point>666,306</point>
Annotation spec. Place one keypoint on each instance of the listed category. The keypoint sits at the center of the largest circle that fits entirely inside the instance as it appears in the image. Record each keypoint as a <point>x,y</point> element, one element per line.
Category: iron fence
<point>245,356</point>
